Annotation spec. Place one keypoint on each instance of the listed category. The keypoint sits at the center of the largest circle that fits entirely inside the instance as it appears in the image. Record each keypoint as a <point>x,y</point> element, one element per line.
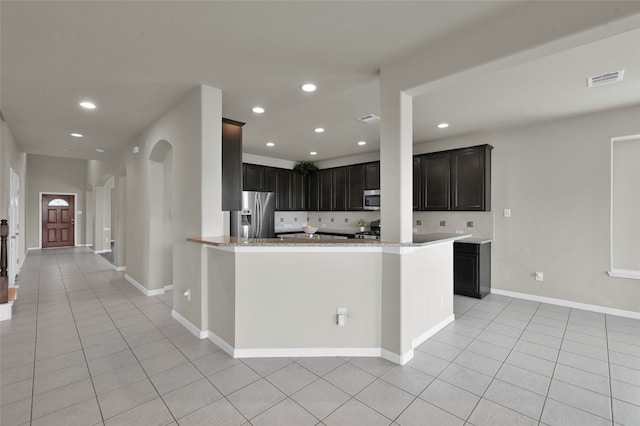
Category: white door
<point>14,226</point>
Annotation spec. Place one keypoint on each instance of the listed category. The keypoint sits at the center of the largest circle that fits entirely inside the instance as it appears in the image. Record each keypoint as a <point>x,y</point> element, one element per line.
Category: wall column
<point>98,223</point>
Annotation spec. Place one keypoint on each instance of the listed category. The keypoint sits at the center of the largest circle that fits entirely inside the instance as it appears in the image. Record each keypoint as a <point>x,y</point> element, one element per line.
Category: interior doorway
<point>58,220</point>
<point>14,226</point>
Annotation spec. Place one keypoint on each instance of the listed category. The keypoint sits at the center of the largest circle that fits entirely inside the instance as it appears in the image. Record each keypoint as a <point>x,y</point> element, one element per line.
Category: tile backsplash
<point>338,220</point>
<point>476,223</point>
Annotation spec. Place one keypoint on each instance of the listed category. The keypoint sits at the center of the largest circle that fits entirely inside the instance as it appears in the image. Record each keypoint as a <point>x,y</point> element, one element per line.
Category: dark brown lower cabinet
<point>471,269</point>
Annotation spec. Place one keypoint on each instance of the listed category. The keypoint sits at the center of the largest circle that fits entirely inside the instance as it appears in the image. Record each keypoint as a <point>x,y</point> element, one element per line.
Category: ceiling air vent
<point>610,77</point>
<point>369,119</point>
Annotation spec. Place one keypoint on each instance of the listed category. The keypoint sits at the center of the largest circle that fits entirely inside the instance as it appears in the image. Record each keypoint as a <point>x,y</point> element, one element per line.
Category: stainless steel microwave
<point>371,199</point>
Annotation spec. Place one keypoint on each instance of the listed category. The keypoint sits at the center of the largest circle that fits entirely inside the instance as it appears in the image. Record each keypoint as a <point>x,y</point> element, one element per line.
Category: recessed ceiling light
<point>257,109</point>
<point>319,130</point>
<point>66,150</point>
<point>87,105</point>
<point>77,135</point>
<point>362,143</point>
<point>309,87</point>
<point>271,144</point>
<point>313,153</point>
<point>99,150</point>
<point>443,125</point>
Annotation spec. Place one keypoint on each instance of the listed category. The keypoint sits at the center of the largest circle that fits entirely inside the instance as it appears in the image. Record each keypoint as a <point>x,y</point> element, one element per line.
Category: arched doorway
<point>161,216</point>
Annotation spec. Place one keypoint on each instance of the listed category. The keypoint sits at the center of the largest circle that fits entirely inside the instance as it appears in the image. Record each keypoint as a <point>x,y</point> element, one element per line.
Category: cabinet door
<point>436,180</point>
<point>372,175</point>
<point>417,182</point>
<point>355,187</point>
<point>283,192</point>
<point>326,189</point>
<point>465,274</point>
<point>339,196</point>
<point>468,179</point>
<point>298,191</point>
<point>313,191</point>
<point>252,177</point>
<point>231,165</point>
<point>270,179</point>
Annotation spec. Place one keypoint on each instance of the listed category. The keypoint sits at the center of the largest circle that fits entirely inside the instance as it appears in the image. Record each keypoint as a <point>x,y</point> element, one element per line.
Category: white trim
<point>568,303</point>
<point>168,287</point>
<point>200,334</point>
<point>119,268</point>
<point>624,273</point>
<point>84,245</point>
<point>617,273</point>
<point>395,358</point>
<point>305,352</point>
<point>34,248</point>
<point>6,310</point>
<point>283,248</point>
<point>221,343</point>
<point>101,251</point>
<point>143,289</point>
<point>432,331</point>
<point>75,215</point>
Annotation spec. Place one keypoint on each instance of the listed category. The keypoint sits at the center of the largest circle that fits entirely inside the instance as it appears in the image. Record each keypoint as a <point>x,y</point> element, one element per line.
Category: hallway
<point>86,348</point>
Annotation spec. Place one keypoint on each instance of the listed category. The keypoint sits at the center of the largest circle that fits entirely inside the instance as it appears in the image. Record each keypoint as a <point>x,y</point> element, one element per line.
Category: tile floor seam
<point>613,419</point>
<point>132,352</point>
<point>35,343</point>
<point>504,362</point>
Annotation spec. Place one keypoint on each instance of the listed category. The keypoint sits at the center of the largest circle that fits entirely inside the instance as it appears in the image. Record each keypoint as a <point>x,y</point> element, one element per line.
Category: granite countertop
<point>303,240</point>
<point>225,241</point>
<point>476,240</point>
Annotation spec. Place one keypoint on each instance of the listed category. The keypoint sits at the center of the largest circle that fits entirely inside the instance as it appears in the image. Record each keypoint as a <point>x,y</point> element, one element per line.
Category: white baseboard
<point>568,303</point>
<point>305,352</point>
<point>5,310</point>
<point>200,334</point>
<point>432,331</point>
<point>33,248</point>
<point>119,268</point>
<point>143,289</point>
<point>168,287</point>
<point>84,245</point>
<point>624,273</point>
<point>101,251</point>
<point>395,358</point>
<point>221,343</point>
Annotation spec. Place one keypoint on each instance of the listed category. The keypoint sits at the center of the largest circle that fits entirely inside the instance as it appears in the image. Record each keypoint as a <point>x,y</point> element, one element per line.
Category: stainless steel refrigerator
<point>256,217</point>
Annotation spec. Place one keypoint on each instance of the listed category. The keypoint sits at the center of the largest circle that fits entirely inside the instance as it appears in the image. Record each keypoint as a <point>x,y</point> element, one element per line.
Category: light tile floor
<point>86,348</point>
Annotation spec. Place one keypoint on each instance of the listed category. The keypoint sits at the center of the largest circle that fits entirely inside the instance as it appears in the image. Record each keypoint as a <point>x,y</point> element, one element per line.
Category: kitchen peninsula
<point>280,297</point>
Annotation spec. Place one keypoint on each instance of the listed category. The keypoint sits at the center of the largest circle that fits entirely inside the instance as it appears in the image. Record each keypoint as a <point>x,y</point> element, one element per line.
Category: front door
<point>57,220</point>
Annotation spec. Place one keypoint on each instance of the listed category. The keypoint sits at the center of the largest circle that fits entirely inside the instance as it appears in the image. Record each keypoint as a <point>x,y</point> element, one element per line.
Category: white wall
<point>12,158</point>
<point>555,177</point>
<point>54,175</point>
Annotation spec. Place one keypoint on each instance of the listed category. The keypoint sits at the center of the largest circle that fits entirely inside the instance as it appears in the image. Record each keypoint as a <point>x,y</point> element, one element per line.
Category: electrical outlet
<point>507,212</point>
<point>470,224</point>
<point>418,222</point>
<point>281,220</point>
<point>331,220</point>
<point>346,220</point>
<point>319,219</point>
<point>295,219</point>
<point>539,276</point>
<point>106,240</point>
<point>341,317</point>
<point>443,223</point>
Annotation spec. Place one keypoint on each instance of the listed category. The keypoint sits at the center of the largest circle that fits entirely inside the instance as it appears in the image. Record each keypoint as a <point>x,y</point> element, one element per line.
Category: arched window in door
<point>58,202</point>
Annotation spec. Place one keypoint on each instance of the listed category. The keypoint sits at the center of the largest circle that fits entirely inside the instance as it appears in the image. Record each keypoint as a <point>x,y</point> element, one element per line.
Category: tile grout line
<point>606,331</point>
<point>35,342</point>
<point>128,346</point>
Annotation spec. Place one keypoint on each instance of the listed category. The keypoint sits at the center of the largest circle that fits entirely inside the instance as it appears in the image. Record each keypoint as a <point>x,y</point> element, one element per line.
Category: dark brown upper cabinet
<point>231,165</point>
<point>339,189</point>
<point>436,183</point>
<point>471,178</point>
<point>298,191</point>
<point>417,182</point>
<point>355,187</point>
<point>252,177</point>
<point>372,175</point>
<point>270,179</point>
<point>326,189</point>
<point>458,179</point>
<point>283,190</point>
<point>313,188</point>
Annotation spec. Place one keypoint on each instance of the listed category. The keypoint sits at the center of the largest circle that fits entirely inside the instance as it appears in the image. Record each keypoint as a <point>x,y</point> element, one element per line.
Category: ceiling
<point>136,59</point>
